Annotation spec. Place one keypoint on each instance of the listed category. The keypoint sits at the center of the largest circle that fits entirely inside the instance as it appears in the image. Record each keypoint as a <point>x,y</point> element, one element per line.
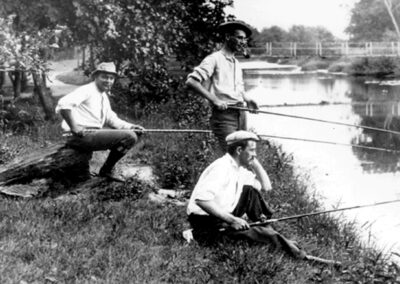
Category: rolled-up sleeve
<point>205,70</point>
<point>210,182</point>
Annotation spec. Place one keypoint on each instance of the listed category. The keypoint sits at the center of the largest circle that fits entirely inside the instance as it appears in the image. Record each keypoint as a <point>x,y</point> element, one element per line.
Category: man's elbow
<point>189,83</point>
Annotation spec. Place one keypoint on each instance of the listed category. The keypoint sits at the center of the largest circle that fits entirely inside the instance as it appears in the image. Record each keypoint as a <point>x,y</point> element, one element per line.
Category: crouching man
<point>227,190</point>
<point>87,110</point>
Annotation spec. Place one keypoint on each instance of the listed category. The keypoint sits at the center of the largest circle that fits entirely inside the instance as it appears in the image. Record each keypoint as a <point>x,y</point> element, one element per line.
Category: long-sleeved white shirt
<point>222,181</point>
<point>90,109</point>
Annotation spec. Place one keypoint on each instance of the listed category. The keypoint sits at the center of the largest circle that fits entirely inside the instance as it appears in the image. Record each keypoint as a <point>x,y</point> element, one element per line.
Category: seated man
<point>227,190</point>
<point>87,110</point>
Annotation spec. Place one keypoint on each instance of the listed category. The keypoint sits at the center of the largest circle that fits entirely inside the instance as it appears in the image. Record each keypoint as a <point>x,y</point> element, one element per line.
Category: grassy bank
<point>117,235</point>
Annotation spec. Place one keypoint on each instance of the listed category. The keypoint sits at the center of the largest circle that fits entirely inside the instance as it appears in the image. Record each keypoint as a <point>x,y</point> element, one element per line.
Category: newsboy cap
<point>106,67</point>
<point>235,25</point>
<point>240,136</point>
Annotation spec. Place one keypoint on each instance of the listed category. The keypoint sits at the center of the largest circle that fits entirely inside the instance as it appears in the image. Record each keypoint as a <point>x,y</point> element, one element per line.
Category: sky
<point>331,14</point>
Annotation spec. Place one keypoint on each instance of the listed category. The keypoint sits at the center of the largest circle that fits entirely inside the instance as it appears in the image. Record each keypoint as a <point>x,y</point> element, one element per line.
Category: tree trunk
<point>2,78</point>
<point>54,161</point>
<point>45,100</point>
<point>15,77</point>
<point>389,5</point>
<point>24,81</point>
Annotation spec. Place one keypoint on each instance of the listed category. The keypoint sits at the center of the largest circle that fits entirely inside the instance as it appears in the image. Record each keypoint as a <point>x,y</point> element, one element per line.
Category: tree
<point>370,21</point>
<point>138,35</point>
<point>272,34</point>
<point>23,53</point>
<point>300,33</point>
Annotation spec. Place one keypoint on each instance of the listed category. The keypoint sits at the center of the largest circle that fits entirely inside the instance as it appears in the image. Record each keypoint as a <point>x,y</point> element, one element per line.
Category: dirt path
<point>57,87</point>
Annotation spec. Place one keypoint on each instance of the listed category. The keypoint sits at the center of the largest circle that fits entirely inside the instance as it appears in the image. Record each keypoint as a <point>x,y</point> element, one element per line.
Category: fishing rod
<point>270,221</point>
<point>203,131</point>
<point>166,130</point>
<point>331,143</point>
<point>315,119</point>
<point>326,103</point>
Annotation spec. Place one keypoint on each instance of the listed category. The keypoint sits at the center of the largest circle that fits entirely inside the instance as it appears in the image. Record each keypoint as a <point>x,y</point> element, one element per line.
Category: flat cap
<point>240,136</point>
<point>235,25</point>
<point>106,67</point>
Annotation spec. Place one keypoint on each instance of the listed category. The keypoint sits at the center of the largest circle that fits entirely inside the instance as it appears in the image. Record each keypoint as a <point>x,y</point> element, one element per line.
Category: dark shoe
<point>112,175</point>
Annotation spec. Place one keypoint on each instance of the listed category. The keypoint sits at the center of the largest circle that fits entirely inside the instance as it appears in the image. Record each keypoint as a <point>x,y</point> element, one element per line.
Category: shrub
<point>339,67</point>
<point>315,64</point>
<point>179,162</point>
<point>374,66</point>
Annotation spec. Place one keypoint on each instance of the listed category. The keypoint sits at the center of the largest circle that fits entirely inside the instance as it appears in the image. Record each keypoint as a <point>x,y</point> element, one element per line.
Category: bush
<point>374,66</point>
<point>339,67</point>
<point>179,162</point>
<point>315,64</point>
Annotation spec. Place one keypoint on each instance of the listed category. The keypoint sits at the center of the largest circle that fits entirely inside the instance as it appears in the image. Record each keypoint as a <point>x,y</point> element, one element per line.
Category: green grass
<point>114,234</point>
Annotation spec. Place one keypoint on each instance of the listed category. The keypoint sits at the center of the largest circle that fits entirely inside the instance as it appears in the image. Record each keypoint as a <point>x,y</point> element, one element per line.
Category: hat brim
<point>232,26</point>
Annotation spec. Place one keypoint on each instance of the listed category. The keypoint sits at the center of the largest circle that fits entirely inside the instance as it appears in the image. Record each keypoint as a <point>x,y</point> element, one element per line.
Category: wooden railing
<point>327,49</point>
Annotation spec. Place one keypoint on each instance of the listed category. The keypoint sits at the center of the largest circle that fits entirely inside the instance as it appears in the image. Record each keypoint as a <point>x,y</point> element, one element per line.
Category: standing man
<point>222,72</point>
<point>87,110</point>
<point>227,190</point>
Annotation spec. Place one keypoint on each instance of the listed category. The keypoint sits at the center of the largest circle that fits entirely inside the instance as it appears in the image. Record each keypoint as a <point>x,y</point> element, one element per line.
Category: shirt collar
<point>228,57</point>
<point>232,161</point>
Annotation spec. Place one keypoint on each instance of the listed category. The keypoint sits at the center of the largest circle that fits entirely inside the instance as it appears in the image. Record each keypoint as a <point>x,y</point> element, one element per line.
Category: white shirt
<point>224,75</point>
<point>90,108</point>
<point>222,182</point>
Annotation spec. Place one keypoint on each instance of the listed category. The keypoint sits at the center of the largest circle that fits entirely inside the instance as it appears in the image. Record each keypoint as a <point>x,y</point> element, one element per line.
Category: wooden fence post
<point>295,49</point>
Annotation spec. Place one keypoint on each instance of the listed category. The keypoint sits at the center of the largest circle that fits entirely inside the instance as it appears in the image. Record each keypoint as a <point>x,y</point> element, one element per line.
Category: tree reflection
<point>379,113</point>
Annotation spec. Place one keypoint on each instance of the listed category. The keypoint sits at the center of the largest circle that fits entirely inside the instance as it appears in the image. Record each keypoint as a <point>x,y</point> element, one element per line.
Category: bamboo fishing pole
<point>326,103</point>
<point>270,221</point>
<point>204,131</point>
<point>315,119</point>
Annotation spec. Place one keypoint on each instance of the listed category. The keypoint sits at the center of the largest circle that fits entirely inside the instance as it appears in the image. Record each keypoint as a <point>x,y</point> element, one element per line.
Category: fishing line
<point>316,119</point>
<point>331,143</point>
<point>325,103</point>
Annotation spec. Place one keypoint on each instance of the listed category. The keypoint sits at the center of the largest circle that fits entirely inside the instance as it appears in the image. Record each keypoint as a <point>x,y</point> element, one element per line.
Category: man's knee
<point>126,142</point>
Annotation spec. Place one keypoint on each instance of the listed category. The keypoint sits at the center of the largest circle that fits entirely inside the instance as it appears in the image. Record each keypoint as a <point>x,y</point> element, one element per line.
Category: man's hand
<point>138,128</point>
<point>221,105</point>
<point>78,131</point>
<point>252,105</point>
<point>239,224</point>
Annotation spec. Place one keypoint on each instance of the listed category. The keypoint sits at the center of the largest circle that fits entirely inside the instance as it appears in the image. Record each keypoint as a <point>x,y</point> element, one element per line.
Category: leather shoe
<point>113,175</point>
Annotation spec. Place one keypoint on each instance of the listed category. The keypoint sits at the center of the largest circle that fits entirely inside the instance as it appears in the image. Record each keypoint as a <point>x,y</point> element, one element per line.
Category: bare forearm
<point>212,209</point>
<point>198,88</point>
<point>261,174</point>
<point>67,115</point>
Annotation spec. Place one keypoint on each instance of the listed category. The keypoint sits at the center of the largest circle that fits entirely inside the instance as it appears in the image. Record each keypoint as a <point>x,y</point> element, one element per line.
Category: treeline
<point>297,33</point>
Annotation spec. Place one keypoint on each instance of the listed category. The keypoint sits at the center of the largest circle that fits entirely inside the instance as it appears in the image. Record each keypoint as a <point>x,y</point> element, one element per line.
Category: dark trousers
<point>253,205</point>
<point>224,122</point>
<point>118,141</point>
<point>102,139</point>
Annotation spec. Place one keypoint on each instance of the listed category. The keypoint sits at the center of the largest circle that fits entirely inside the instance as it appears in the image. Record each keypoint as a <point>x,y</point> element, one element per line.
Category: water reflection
<point>373,103</point>
<point>349,175</point>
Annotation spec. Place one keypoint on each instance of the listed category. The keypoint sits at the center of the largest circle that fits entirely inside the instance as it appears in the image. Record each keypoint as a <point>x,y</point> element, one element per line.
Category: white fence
<point>328,49</point>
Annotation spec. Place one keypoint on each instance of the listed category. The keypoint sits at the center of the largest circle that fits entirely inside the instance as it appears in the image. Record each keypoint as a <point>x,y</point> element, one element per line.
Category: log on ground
<point>53,161</point>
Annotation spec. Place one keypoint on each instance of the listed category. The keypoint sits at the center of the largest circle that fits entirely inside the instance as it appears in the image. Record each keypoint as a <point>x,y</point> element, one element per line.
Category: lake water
<point>343,175</point>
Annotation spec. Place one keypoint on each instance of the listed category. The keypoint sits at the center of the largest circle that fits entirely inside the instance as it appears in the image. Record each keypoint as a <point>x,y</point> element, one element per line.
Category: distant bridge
<point>327,49</point>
